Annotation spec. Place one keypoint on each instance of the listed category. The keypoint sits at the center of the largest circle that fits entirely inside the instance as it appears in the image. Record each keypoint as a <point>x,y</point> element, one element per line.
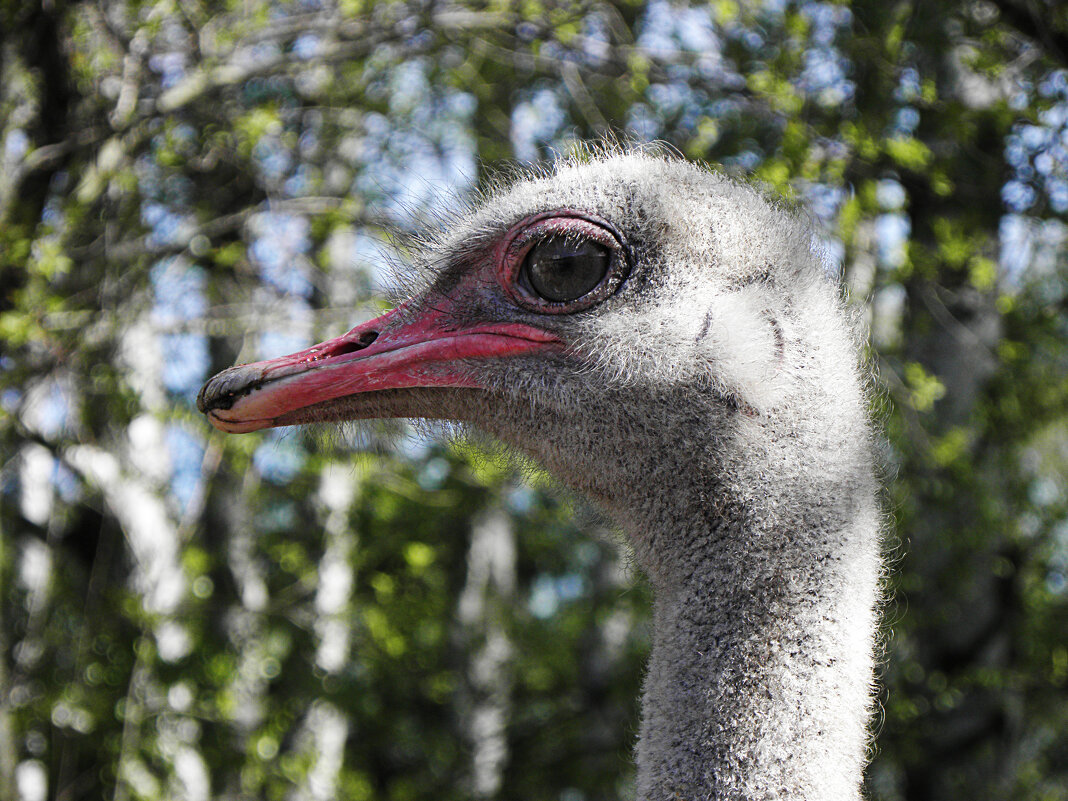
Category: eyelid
<point>513,248</point>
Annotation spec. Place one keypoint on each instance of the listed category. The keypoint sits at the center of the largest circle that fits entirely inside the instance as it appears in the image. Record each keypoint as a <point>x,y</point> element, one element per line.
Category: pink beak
<point>387,353</point>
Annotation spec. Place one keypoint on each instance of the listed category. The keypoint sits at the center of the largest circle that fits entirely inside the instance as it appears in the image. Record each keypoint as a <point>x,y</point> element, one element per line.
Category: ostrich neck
<point>759,680</point>
<point>764,563</point>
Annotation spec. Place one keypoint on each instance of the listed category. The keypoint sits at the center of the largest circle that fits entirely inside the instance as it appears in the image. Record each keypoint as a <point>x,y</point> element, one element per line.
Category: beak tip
<point>223,389</point>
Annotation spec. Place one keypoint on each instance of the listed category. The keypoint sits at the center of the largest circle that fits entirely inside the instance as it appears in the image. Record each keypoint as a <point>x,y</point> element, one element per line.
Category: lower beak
<point>399,350</point>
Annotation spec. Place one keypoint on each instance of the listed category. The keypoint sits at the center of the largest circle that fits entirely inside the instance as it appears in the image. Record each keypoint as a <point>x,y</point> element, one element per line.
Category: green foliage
<point>155,632</point>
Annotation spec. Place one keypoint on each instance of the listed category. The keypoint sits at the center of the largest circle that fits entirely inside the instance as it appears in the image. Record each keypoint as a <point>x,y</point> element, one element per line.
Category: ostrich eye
<point>561,269</point>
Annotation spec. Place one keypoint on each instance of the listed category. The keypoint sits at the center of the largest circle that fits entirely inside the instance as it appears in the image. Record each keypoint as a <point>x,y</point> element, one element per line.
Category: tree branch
<point>1036,27</point>
<point>145,246</point>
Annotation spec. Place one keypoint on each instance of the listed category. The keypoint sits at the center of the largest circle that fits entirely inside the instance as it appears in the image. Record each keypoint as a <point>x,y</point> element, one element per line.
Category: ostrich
<point>664,341</point>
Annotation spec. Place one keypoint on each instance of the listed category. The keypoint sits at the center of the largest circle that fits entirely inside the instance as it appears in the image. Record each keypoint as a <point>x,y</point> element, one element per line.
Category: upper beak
<point>398,350</point>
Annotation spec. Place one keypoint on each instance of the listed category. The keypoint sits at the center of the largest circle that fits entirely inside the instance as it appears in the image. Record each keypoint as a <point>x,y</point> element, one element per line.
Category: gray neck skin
<point>758,682</point>
<point>764,572</point>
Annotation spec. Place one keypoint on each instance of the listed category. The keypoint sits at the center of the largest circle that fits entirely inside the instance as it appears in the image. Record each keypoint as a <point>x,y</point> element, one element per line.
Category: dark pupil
<point>561,269</point>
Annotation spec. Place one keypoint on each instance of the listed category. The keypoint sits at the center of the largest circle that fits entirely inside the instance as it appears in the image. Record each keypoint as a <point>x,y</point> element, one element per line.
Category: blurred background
<point>390,614</point>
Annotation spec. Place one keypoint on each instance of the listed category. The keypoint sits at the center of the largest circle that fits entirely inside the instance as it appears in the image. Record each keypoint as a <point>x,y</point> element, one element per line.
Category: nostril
<point>345,348</point>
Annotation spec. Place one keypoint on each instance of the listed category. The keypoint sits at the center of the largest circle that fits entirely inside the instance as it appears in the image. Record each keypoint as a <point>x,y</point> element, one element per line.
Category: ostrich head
<point>664,341</point>
<point>643,327</point>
